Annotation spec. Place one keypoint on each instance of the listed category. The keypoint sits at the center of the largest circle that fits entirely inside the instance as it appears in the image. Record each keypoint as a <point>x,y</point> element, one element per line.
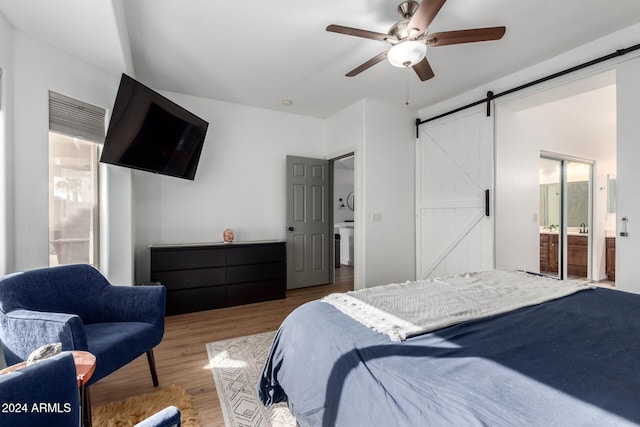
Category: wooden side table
<point>85,367</point>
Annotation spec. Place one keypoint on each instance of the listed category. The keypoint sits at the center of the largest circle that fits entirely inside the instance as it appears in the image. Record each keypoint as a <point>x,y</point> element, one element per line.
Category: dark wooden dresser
<point>214,275</point>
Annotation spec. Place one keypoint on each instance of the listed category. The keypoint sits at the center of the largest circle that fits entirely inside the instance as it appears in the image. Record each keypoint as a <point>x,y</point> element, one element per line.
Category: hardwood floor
<point>181,357</point>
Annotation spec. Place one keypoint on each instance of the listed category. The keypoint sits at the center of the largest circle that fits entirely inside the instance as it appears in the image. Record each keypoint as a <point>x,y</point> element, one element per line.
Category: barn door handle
<point>486,202</point>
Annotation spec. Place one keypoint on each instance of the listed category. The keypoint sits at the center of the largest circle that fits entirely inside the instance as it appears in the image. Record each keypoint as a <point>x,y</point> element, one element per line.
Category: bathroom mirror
<point>577,204</point>
<point>549,204</point>
<point>350,201</point>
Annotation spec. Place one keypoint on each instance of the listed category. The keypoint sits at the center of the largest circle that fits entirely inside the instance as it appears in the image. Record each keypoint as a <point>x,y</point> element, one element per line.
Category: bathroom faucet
<point>583,228</point>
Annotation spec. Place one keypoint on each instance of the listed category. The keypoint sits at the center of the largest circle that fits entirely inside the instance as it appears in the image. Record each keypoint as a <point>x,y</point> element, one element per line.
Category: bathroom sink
<point>344,225</point>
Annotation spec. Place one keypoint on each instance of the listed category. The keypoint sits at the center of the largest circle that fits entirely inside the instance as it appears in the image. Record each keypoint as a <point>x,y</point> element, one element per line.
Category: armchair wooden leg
<point>152,367</point>
<point>85,402</point>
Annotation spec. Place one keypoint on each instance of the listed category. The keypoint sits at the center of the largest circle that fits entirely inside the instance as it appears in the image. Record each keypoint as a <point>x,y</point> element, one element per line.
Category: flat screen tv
<point>151,133</point>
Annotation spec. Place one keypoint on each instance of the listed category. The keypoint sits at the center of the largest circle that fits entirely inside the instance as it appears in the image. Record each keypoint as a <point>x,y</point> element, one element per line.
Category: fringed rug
<point>236,365</point>
<point>131,411</point>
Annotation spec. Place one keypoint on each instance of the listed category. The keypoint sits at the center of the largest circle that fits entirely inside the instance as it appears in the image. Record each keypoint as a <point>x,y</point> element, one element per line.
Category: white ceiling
<point>261,52</point>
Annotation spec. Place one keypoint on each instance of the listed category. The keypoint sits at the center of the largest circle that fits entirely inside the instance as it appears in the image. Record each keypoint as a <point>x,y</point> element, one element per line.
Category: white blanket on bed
<point>402,310</point>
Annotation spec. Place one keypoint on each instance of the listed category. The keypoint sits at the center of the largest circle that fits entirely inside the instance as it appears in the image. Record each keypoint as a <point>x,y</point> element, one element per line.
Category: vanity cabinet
<point>548,253</point>
<point>610,243</point>
<point>346,245</point>
<point>577,255</point>
<point>206,276</point>
<point>544,253</point>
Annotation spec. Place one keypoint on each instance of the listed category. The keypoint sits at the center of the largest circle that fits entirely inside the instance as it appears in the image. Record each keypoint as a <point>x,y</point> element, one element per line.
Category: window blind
<point>76,118</point>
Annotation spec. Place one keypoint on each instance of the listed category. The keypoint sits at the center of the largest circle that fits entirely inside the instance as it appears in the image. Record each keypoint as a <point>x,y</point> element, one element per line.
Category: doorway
<point>566,207</point>
<point>577,120</point>
<point>344,215</point>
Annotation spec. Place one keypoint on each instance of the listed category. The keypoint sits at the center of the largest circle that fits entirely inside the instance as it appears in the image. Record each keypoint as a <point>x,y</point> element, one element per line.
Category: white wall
<point>6,151</point>
<point>240,181</point>
<point>383,136</point>
<point>117,237</point>
<point>628,176</point>
<point>389,177</point>
<point>345,131</point>
<point>517,194</point>
<point>39,68</point>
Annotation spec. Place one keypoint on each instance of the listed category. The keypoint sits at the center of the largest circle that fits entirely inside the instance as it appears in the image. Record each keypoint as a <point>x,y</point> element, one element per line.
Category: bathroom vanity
<point>577,253</point>
<point>345,229</point>
<point>610,257</point>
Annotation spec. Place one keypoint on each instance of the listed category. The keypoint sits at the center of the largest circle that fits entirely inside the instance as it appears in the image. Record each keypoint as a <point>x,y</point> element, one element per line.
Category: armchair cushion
<point>123,343</point>
<point>76,306</point>
<point>42,394</point>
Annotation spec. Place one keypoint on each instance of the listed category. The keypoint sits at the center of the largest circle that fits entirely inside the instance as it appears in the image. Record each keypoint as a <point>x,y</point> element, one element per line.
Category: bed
<point>571,360</point>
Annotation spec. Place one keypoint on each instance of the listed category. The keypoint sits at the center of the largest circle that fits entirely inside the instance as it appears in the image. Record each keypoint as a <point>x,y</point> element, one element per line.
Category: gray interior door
<point>308,228</point>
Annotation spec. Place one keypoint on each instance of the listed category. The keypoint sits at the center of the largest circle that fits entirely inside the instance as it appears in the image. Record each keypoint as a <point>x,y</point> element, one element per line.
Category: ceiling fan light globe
<point>407,53</point>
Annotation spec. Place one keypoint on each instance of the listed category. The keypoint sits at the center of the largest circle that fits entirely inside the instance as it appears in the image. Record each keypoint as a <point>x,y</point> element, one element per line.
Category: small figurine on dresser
<point>227,235</point>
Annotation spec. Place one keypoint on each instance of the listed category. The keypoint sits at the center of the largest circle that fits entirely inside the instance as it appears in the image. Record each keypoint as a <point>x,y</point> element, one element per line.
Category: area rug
<point>137,408</point>
<point>236,365</point>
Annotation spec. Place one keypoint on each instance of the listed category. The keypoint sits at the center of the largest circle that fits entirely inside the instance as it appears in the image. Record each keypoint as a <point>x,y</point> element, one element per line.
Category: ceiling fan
<point>410,37</point>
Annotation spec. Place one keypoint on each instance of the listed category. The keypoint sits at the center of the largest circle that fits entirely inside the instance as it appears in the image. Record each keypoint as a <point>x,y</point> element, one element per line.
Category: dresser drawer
<point>255,254</point>
<point>247,293</point>
<point>189,279</point>
<point>250,273</point>
<point>185,258</point>
<point>187,301</point>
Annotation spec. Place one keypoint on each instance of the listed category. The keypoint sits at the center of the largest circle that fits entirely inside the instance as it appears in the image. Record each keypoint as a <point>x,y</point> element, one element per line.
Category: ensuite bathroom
<point>343,210</point>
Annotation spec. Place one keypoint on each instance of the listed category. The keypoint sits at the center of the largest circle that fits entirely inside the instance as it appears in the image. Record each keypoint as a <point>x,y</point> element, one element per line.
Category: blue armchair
<point>46,394</point>
<point>77,306</point>
<point>43,394</point>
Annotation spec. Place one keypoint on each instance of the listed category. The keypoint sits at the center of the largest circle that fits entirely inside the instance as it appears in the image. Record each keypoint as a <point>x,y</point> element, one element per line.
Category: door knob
<point>289,228</point>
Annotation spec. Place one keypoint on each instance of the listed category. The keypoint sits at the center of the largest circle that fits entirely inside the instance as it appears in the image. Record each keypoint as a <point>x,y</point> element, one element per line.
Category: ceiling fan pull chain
<point>408,92</point>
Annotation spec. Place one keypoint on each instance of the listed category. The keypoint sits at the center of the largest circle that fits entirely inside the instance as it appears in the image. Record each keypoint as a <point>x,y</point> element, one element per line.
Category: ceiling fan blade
<point>423,70</point>
<point>423,17</point>
<point>360,33</point>
<point>373,61</point>
<point>465,36</point>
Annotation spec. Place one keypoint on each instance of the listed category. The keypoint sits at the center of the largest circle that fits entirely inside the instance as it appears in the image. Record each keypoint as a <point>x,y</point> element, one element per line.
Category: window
<point>76,130</point>
<point>73,201</point>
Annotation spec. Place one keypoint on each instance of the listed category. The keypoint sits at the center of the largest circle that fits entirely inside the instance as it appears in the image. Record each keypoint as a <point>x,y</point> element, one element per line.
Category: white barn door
<point>454,170</point>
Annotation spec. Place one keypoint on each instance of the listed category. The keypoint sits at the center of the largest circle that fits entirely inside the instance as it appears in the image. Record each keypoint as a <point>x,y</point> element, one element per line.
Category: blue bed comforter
<point>569,362</point>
